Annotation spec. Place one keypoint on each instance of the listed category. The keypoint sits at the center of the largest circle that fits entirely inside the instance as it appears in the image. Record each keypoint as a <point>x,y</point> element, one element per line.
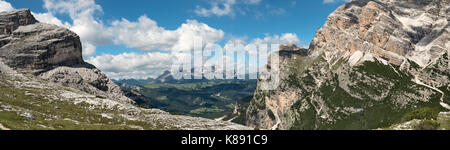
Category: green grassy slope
<point>210,99</point>
<point>31,109</point>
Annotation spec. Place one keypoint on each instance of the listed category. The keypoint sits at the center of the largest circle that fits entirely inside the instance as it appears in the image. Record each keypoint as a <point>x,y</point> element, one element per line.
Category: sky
<point>136,38</point>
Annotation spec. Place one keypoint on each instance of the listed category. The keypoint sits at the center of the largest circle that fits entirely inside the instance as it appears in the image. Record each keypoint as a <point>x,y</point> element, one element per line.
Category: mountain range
<point>45,84</point>
<point>374,64</point>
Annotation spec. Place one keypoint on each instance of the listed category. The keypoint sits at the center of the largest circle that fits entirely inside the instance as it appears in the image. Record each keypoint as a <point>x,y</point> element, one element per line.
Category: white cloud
<point>5,6</point>
<point>83,21</point>
<point>145,34</point>
<point>137,65</point>
<point>286,38</point>
<point>191,29</point>
<point>141,66</point>
<point>91,31</point>
<point>218,8</point>
<point>334,1</point>
<point>88,49</point>
<point>48,18</point>
<point>289,38</point>
<point>223,7</point>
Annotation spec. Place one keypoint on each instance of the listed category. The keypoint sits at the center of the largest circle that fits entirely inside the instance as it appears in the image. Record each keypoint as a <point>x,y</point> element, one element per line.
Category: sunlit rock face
<point>388,28</point>
<point>371,62</point>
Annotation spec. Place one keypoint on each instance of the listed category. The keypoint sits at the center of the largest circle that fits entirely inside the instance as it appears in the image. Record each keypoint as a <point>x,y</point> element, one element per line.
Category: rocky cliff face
<point>52,53</point>
<point>10,21</point>
<point>30,46</point>
<point>371,62</point>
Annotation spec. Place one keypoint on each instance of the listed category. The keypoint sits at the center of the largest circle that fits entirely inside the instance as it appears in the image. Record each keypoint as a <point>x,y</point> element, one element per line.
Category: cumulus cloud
<point>139,66</point>
<point>286,38</point>
<point>191,29</point>
<point>48,18</point>
<point>88,49</point>
<point>5,6</point>
<point>83,21</point>
<point>218,8</point>
<point>334,1</point>
<point>145,34</point>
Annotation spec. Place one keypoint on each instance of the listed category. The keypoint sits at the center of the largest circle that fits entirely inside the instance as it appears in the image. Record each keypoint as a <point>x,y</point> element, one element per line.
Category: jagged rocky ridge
<point>45,84</point>
<point>372,61</point>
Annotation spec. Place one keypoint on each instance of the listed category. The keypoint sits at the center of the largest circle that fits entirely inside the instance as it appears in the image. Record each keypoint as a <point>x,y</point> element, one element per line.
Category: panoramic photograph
<point>241,65</point>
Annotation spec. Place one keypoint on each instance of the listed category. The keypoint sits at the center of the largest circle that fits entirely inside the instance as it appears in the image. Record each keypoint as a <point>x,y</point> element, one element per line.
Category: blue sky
<point>106,27</point>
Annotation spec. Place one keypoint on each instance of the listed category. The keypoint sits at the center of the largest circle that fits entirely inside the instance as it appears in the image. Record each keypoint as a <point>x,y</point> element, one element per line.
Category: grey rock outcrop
<point>39,47</point>
<point>52,53</point>
<point>387,28</point>
<point>371,62</point>
<point>33,47</point>
<point>87,78</point>
<point>10,21</point>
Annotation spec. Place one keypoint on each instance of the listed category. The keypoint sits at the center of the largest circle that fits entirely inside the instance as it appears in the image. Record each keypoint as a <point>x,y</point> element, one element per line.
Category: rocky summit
<point>45,84</point>
<point>30,46</point>
<point>51,52</point>
<point>370,64</point>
